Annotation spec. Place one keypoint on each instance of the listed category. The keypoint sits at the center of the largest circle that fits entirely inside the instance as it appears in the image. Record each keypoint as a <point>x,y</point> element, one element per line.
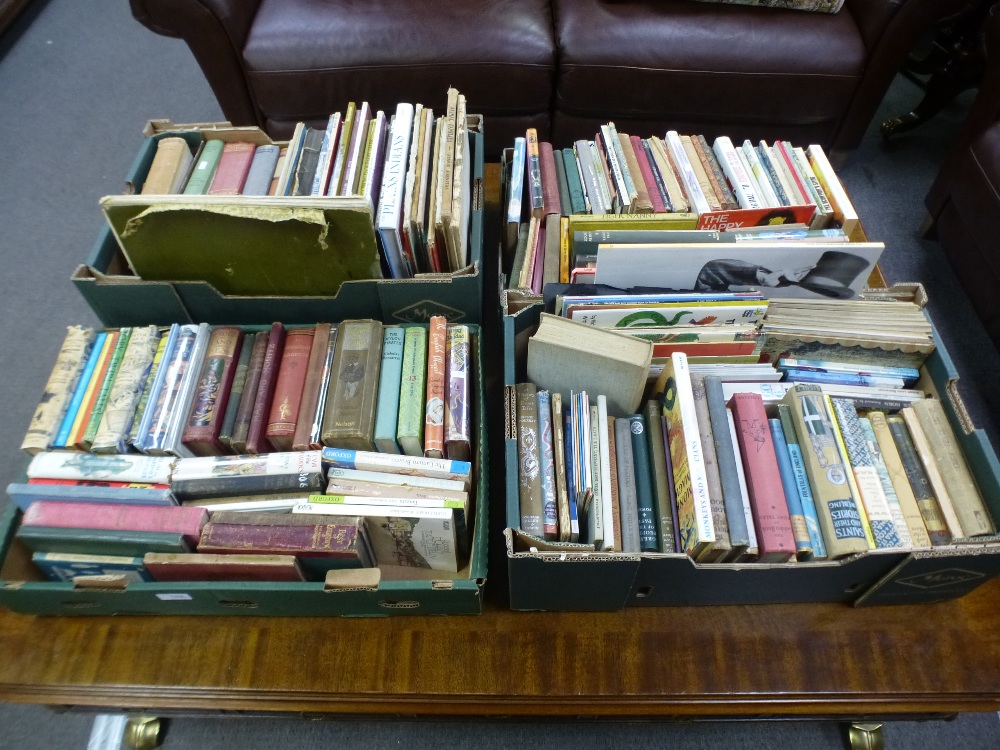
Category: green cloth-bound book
<point>577,202</point>
<point>204,169</point>
<point>412,392</point>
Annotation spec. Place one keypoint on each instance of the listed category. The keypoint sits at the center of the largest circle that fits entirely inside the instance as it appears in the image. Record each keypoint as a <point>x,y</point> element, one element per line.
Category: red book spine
<point>208,407</point>
<point>767,495</point>
<point>437,342</point>
<point>249,397</point>
<point>784,148</point>
<point>257,441</point>
<point>647,175</point>
<point>178,519</point>
<point>310,389</point>
<point>305,540</point>
<point>234,166</point>
<point>551,203</point>
<point>288,388</point>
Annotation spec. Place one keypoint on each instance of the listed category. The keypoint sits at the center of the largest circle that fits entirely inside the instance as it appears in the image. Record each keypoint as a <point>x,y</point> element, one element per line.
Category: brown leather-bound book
<point>242,427</point>
<point>169,169</point>
<point>437,340</point>
<point>301,439</point>
<point>208,407</point>
<point>288,388</point>
<point>257,441</point>
<point>349,419</point>
<point>234,165</point>
<point>551,203</point>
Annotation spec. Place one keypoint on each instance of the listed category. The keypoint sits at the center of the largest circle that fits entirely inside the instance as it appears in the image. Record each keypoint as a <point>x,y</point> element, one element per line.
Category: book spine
<point>775,539</point>
<point>390,379</point>
<point>84,385</point>
<point>800,530</point>
<point>597,531</point>
<point>560,468</point>
<point>412,390</point>
<point>782,150</point>
<point>516,185</point>
<point>529,479</point>
<point>302,437</point>
<point>437,345</point>
<point>726,458</point>
<point>169,397</point>
<point>686,174</point>
<point>551,201</point>
<point>573,491</point>
<point>777,177</point>
<point>900,484</point>
<point>170,160</point>
<point>806,499</point>
<point>574,180</point>
<point>93,466</point>
<point>721,549</point>
<point>927,503</point>
<point>349,419</point>
<point>608,445</point>
<point>700,174</point>
<point>562,182</point>
<point>204,168</point>
<point>60,389</point>
<point>117,517</point>
<point>401,480</point>
<point>550,514</point>
<point>627,485</point>
<point>434,468</point>
<point>150,395</point>
<point>258,181</point>
<point>321,179</point>
<point>812,182</point>
<point>234,166</point>
<point>840,203</point>
<point>535,193</point>
<point>839,516</point>
<point>655,185</point>
<point>93,421</point>
<point>136,493</point>
<point>458,409</point>
<point>678,198</point>
<point>391,193</point>
<point>738,178</point>
<point>627,188</point>
<point>588,177</point>
<point>334,540</point>
<point>715,173</point>
<point>204,420</point>
<point>376,163</point>
<point>851,481</point>
<point>241,427</point>
<point>761,176</point>
<point>661,479</point>
<point>608,148</point>
<point>257,441</point>
<point>898,519</point>
<point>339,157</point>
<point>352,170</point>
<point>925,452</point>
<point>288,387</point>
<point>124,396</point>
<point>324,387</point>
<point>752,549</point>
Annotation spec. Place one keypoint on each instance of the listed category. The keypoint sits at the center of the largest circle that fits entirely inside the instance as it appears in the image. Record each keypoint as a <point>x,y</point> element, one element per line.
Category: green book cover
<point>204,169</point>
<point>646,502</point>
<point>102,396</point>
<point>236,391</point>
<point>577,202</point>
<point>412,391</point>
<point>100,541</point>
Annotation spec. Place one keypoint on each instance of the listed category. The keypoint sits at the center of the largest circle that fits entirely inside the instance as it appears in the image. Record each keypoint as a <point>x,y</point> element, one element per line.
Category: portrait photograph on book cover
<point>777,270</point>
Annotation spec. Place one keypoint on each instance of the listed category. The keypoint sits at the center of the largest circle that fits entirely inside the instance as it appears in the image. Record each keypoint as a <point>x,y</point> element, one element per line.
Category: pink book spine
<point>767,495</point>
<point>551,204</point>
<point>308,540</point>
<point>113,516</point>
<point>437,342</point>
<point>647,175</point>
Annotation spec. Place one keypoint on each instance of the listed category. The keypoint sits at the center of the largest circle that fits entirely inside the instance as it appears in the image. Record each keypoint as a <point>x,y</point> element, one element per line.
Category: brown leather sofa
<point>964,200</point>
<point>563,66</point>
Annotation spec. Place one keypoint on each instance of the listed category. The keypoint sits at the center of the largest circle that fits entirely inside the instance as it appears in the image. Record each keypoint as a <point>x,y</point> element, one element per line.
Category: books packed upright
<point>275,453</point>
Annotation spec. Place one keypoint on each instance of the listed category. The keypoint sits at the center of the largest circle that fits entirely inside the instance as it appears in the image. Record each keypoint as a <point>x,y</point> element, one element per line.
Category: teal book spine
<point>390,380</point>
<point>62,437</point>
<point>645,501</point>
<point>204,170</point>
<point>577,203</point>
<point>729,478</point>
<point>803,543</point>
<point>412,390</point>
<point>802,481</point>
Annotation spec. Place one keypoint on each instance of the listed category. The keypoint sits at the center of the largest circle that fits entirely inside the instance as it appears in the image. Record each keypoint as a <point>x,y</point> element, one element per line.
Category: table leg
<point>143,732</point>
<point>863,736</point>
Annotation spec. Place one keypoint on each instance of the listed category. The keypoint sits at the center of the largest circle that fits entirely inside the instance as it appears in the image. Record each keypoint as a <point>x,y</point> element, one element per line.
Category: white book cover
<point>738,178</point>
<point>758,173</point>
<point>326,152</point>
<point>189,385</point>
<point>796,196</point>
<point>390,211</point>
<point>277,505</point>
<point>609,140</point>
<point>285,462</point>
<point>692,188</point>
<point>605,474</point>
<point>438,468</point>
<point>695,456</point>
<point>752,548</point>
<point>104,467</point>
<point>383,477</point>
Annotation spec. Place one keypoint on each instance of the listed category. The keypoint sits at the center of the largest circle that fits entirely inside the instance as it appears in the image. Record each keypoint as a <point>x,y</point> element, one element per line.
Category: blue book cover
<point>59,566</point>
<point>645,501</point>
<point>571,489</point>
<point>62,436</point>
<point>390,378</point>
<point>842,378</point>
<point>516,186</point>
<point>265,159</point>
<point>144,440</point>
<point>803,542</point>
<point>729,477</point>
<point>801,480</point>
<point>550,516</point>
<point>24,495</point>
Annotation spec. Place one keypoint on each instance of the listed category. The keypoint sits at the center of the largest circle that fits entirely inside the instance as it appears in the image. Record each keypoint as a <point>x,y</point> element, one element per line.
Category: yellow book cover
<point>852,482</point>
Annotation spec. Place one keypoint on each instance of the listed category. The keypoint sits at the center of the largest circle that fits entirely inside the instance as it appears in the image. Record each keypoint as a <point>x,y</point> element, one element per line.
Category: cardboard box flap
<point>934,575</point>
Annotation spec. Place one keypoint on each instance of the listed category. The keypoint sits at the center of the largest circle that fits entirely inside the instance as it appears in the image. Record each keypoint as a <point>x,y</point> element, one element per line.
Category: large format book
<point>412,391</point>
<point>180,566</point>
<point>955,473</point>
<point>916,479</point>
<point>726,459</point>
<point>565,356</point>
<point>204,421</point>
<point>113,516</point>
<point>311,388</point>
<point>437,346</point>
<point>123,397</point>
<point>169,169</point>
<point>59,389</point>
<point>897,476</point>
<point>255,365</point>
<point>529,477</point>
<point>390,211</point>
<point>349,421</point>
<point>390,379</point>
<point>775,540</point>
<point>257,441</point>
<point>221,476</point>
<point>839,516</point>
<point>721,549</point>
<point>281,422</point>
<point>458,407</point>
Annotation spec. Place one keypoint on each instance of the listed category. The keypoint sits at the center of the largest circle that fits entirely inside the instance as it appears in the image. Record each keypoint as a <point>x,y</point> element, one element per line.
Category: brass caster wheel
<point>142,732</point>
<point>865,737</point>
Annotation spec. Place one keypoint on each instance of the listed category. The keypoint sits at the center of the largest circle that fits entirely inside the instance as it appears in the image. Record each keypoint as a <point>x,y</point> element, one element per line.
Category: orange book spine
<point>437,339</point>
<point>288,388</point>
<point>90,395</point>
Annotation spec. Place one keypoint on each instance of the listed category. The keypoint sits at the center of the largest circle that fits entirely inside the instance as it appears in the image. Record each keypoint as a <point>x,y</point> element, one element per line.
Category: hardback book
<point>760,176</point>
<point>576,490</point>
<point>958,479</point>
<point>390,209</point>
<point>728,476</point>
<point>800,531</point>
<point>627,486</point>
<point>898,518</point>
<point>241,427</point>
<point>722,548</point>
<point>610,150</point>
<point>520,255</point>
<point>528,455</point>
<point>437,251</point>
<point>533,166</point>
<point>169,169</point>
<point>559,163</point>
<point>288,388</point>
<point>117,517</point>
<point>390,379</point>
<point>287,174</point>
<point>930,510</point>
<point>305,170</point>
<point>432,468</point>
<point>665,433</point>
<point>355,150</point>
<point>515,192</point>
<point>137,493</point>
<point>85,384</point>
<point>597,529</point>
<point>331,139</point>
<point>648,512</point>
<point>678,198</point>
<point>642,202</point>
<point>257,441</point>
<point>204,421</point>
<point>824,209</point>
<point>605,183</point>
<point>609,478</point>
<point>651,182</point>
<point>839,515</point>
<point>265,159</point>
<point>59,389</point>
<point>400,480</point>
<point>349,420</point>
<point>805,493</point>
<point>776,543</point>
<point>221,476</point>
<point>339,157</point>
<point>457,224</point>
<point>863,467</point>
<point>551,200</point>
<point>417,179</point>
<point>123,397</point>
<point>170,411</point>
<point>546,467</point>
<point>694,508</point>
<point>311,388</point>
<point>236,392</point>
<point>658,178</point>
<point>82,417</point>
<point>74,541</point>
<point>552,238</point>
<point>900,484</point>
<point>234,166</point>
<point>104,391</point>
<point>276,502</point>
<point>574,182</point>
<point>589,178</point>
<point>434,405</point>
<point>851,481</point>
<point>701,175</point>
<point>566,356</point>
<point>60,566</point>
<point>92,466</point>
<point>752,548</point>
<point>686,173</point>
<point>204,168</point>
<point>377,492</point>
<point>779,183</point>
<point>458,406</point>
<point>661,473</point>
<point>738,178</point>
<point>412,391</point>
<point>715,174</point>
<point>324,387</point>
<point>567,531</point>
<point>843,210</point>
<point>169,567</point>
<point>154,380</point>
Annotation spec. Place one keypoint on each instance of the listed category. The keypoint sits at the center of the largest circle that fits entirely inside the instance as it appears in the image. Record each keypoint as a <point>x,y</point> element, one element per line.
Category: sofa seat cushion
<point>307,58</point>
<point>742,67</point>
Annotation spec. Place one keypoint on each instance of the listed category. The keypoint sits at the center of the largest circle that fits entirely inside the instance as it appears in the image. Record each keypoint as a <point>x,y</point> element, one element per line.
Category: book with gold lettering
<point>349,420</point>
<point>208,408</point>
<point>288,388</point>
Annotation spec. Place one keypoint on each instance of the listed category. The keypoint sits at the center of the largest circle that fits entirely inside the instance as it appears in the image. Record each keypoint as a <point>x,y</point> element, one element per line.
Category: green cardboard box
<point>559,577</point>
<point>353,593</point>
<point>307,229</point>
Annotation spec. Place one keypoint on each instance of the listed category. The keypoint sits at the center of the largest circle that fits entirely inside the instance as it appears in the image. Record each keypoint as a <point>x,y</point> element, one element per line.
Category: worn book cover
<point>86,466</point>
<point>163,566</point>
<point>390,380</point>
<point>288,388</point>
<point>311,388</point>
<point>257,441</point>
<point>236,392</point>
<point>458,406</point>
<point>123,397</point>
<point>547,468</point>
<point>349,420</point>
<point>610,457</point>
<point>208,407</point>
<point>895,508</point>
<point>241,426</point>
<point>61,566</point>
<point>529,475</point>
<point>139,493</point>
<point>930,508</point>
<point>434,407</point>
<point>551,202</point>
<point>412,391</point>
<point>721,549</point>
<point>925,450</point>
<point>77,541</point>
<point>726,459</point>
<point>816,541</point>
<point>169,168</point>
<point>114,516</point>
<point>204,169</point>
<point>234,166</point>
<point>660,474</point>
<point>219,476</point>
<point>565,525</point>
<point>645,173</point>
<point>900,483</point>
<point>800,531</point>
<point>716,176</point>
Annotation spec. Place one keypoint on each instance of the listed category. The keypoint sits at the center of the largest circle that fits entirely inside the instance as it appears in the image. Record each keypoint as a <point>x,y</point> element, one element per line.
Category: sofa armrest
<point>216,32</point>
